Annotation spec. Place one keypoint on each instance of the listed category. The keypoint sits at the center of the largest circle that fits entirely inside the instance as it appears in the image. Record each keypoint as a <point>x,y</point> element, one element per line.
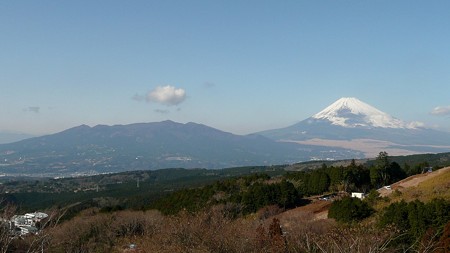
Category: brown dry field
<point>369,147</point>
<point>316,210</point>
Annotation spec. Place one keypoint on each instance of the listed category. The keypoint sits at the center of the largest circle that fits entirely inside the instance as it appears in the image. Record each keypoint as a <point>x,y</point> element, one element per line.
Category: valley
<point>370,148</point>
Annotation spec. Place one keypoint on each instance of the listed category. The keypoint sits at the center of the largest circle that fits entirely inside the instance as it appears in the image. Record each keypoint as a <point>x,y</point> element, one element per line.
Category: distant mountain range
<point>348,128</point>
<point>351,123</point>
<point>143,146</point>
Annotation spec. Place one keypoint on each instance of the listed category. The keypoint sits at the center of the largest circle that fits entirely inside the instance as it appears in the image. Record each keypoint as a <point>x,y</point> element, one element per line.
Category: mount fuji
<point>353,124</point>
<point>352,113</point>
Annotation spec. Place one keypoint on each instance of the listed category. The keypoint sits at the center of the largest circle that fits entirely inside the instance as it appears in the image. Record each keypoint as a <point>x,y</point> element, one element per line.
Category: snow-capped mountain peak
<point>352,112</point>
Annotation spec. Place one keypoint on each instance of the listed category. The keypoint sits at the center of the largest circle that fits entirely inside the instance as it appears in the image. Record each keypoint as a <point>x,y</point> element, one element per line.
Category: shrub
<point>349,209</point>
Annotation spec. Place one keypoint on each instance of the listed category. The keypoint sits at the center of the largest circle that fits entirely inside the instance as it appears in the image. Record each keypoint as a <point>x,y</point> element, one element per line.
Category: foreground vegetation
<point>215,230</point>
<point>248,213</point>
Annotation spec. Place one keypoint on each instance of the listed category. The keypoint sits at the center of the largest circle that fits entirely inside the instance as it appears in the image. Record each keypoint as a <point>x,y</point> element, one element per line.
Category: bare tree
<point>6,235</point>
<point>42,239</point>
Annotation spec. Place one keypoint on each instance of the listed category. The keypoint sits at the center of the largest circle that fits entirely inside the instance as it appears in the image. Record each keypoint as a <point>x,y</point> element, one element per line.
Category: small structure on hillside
<point>359,195</point>
<point>26,224</point>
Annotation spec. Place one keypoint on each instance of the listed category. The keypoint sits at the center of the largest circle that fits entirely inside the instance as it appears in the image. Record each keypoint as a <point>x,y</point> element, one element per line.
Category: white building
<point>36,216</point>
<point>27,223</point>
<point>24,230</point>
<point>21,220</point>
<point>358,195</point>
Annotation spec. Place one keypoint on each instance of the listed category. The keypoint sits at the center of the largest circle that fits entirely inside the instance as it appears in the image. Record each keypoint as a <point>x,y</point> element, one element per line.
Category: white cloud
<point>416,124</point>
<point>441,110</point>
<point>166,95</point>
<point>34,109</point>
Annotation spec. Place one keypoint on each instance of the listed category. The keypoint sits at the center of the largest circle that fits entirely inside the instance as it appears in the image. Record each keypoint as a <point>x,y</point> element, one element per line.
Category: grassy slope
<point>432,187</point>
<point>423,187</point>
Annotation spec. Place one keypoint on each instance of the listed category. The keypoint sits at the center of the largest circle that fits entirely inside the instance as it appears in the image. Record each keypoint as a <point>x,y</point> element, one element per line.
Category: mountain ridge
<point>155,145</point>
<point>348,128</point>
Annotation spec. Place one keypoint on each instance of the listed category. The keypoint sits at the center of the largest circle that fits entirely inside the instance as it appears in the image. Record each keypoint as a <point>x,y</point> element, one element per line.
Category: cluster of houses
<point>28,223</point>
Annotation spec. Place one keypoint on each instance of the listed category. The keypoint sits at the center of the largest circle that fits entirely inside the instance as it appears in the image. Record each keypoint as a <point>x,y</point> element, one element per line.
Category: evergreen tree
<point>318,183</point>
<point>336,175</point>
<point>395,172</point>
<point>349,209</point>
<point>382,165</point>
<point>375,178</point>
<point>289,196</point>
<point>416,217</point>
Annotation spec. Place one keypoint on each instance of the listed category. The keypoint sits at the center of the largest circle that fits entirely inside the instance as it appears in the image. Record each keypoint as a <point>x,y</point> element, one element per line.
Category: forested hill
<point>121,189</point>
<point>125,190</point>
<point>253,192</point>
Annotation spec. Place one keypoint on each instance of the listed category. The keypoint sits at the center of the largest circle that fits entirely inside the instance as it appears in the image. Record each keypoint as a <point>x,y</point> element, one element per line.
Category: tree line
<point>248,194</point>
<point>257,190</point>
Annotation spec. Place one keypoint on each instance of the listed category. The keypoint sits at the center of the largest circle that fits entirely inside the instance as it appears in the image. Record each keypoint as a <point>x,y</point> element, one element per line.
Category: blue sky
<point>240,66</point>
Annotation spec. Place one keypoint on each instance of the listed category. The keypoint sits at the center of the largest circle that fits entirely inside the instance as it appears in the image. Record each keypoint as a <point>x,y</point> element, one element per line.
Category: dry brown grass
<point>210,230</point>
<point>423,187</point>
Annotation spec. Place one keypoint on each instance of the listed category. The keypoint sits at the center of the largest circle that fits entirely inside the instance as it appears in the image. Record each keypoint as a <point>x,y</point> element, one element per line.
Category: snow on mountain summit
<point>352,112</point>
